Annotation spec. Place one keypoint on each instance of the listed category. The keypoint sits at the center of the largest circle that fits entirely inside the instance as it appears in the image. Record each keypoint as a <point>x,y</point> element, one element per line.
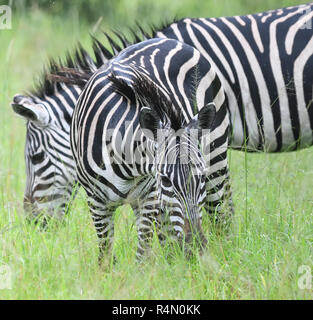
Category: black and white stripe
<point>265,63</point>
<point>156,85</point>
<point>50,167</point>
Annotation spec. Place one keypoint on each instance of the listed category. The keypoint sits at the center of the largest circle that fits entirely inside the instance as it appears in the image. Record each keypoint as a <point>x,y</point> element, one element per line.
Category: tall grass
<point>271,234</point>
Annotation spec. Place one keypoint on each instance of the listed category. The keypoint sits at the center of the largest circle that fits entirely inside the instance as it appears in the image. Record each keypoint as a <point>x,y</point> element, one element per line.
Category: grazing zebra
<point>264,62</point>
<point>50,167</point>
<point>135,138</point>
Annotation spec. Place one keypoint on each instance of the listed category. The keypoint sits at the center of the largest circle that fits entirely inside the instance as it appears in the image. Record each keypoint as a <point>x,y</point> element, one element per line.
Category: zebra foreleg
<point>147,221</point>
<point>219,200</point>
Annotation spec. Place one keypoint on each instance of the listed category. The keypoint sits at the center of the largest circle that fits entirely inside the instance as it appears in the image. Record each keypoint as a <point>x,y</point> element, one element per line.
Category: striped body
<point>118,163</point>
<point>265,63</point>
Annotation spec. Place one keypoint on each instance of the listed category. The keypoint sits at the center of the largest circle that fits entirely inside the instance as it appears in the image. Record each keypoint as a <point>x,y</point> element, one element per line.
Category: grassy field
<point>270,238</point>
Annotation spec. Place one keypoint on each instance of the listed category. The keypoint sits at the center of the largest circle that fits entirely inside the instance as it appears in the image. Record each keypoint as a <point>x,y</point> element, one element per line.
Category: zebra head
<point>181,167</point>
<point>180,163</point>
<point>50,170</point>
<point>173,128</point>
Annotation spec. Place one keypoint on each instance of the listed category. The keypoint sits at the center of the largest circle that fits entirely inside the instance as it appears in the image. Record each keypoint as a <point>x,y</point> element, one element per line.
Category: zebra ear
<point>27,109</point>
<point>204,119</point>
<point>149,122</point>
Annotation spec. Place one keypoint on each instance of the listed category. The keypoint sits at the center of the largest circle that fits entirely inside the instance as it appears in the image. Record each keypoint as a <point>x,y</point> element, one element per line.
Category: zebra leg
<point>102,217</point>
<point>147,220</point>
<point>219,199</point>
<point>146,224</point>
<point>150,218</point>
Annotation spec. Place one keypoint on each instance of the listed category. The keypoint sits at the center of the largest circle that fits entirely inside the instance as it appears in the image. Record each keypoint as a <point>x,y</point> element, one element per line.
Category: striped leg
<point>147,220</point>
<point>102,217</point>
<point>219,199</point>
<point>173,223</point>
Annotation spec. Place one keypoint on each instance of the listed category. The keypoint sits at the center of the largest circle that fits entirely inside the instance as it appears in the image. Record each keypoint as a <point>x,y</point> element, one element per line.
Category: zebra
<point>50,167</point>
<point>135,138</point>
<point>264,62</point>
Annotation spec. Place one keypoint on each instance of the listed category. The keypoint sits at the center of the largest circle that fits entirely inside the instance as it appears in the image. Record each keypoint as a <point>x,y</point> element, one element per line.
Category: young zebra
<point>264,62</point>
<point>135,139</point>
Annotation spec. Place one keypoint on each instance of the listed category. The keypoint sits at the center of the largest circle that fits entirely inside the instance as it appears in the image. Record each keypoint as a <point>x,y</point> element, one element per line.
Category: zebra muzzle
<point>194,238</point>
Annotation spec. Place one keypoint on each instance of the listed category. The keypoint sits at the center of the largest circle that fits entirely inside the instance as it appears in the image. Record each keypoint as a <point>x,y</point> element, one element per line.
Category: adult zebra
<point>135,139</point>
<point>265,63</point>
<point>263,60</point>
<point>50,167</point>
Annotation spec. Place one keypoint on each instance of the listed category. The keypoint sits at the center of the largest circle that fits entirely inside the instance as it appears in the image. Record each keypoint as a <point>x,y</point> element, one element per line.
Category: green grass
<point>270,238</point>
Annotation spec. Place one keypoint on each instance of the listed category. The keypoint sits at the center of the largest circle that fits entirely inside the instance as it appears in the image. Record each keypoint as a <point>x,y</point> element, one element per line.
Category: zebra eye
<point>37,157</point>
<point>166,182</point>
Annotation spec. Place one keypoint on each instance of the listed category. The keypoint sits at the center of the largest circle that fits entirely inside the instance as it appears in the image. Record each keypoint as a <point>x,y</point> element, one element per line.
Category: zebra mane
<point>81,61</point>
<point>150,95</point>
